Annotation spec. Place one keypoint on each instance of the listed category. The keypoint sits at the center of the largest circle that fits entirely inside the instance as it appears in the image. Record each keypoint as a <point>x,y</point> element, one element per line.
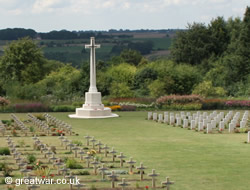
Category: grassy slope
<point>193,160</point>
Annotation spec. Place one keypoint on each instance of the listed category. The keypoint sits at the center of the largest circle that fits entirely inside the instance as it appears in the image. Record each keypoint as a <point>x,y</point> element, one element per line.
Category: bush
<point>84,172</point>
<point>7,122</point>
<point>177,99</point>
<point>40,116</point>
<point>128,108</point>
<point>31,158</point>
<point>4,101</point>
<point>115,108</point>
<point>78,143</point>
<point>191,106</point>
<point>210,104</point>
<point>72,164</point>
<point>239,104</point>
<point>4,151</point>
<point>206,89</point>
<point>30,107</point>
<point>63,108</point>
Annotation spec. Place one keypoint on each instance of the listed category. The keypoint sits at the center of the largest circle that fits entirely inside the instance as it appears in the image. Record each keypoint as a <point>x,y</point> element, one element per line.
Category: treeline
<point>221,50</point>
<point>212,61</point>
<point>17,33</point>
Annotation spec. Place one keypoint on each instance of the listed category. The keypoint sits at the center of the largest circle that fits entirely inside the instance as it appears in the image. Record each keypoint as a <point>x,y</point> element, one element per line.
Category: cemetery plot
<point>95,164</point>
<point>40,125</point>
<point>214,122</point>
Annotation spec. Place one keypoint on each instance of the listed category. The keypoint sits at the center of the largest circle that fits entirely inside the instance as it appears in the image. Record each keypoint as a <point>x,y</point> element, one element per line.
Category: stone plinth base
<point>83,113</point>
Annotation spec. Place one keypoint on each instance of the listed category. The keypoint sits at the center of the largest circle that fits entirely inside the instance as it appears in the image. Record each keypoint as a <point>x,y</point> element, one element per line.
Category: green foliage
<point>6,169</point>
<point>131,56</point>
<point>72,164</point>
<point>31,158</point>
<point>206,89</point>
<point>193,45</point>
<point>22,61</point>
<point>120,90</point>
<point>78,143</point>
<point>62,108</point>
<point>4,151</point>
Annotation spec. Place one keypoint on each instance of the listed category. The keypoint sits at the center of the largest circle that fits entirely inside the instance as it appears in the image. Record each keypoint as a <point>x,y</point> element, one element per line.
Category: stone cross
<point>123,184</point>
<point>95,163</point>
<point>113,152</point>
<point>31,187</point>
<point>121,156</point>
<point>75,148</point>
<point>71,178</point>
<point>81,153</point>
<point>93,142</point>
<point>64,170</point>
<point>153,175</point>
<point>105,148</point>
<point>131,163</point>
<point>113,177</point>
<point>61,138</point>
<point>79,185</point>
<point>141,168</point>
<point>87,139</point>
<point>103,169</point>
<point>99,144</point>
<point>87,158</point>
<point>167,183</point>
<point>92,46</point>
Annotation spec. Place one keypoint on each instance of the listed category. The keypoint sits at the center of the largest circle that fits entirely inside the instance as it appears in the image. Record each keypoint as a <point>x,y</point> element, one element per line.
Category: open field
<point>193,160</point>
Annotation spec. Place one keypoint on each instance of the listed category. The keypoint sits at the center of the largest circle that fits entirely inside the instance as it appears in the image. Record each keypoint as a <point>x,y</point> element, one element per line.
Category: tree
<point>206,89</point>
<point>219,35</point>
<point>131,56</point>
<point>23,62</point>
<point>193,45</point>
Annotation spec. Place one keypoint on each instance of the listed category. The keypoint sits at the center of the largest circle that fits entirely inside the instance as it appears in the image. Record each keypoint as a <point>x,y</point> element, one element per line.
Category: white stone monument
<point>93,107</point>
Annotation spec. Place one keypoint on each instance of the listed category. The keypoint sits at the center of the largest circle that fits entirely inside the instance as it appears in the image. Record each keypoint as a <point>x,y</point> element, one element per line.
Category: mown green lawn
<point>195,161</point>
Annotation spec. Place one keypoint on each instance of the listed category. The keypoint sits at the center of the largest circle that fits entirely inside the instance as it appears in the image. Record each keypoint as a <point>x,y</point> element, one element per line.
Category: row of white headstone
<point>202,120</point>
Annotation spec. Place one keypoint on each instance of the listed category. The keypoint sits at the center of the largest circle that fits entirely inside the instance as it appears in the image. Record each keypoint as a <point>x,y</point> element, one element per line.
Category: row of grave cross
<point>91,141</point>
<point>202,121</point>
<point>58,123</point>
<point>19,124</point>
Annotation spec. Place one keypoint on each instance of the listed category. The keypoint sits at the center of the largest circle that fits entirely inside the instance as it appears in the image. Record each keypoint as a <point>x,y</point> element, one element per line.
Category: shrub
<point>4,151</point>
<point>84,172</point>
<point>78,143</point>
<point>30,107</point>
<point>4,101</point>
<point>191,106</point>
<point>115,108</point>
<point>6,169</point>
<point>72,164</point>
<point>63,108</point>
<point>7,122</point>
<point>210,104</point>
<point>240,104</point>
<point>31,158</point>
<point>40,116</point>
<point>32,129</point>
<point>128,108</point>
<point>206,89</point>
<point>134,100</point>
<point>177,99</point>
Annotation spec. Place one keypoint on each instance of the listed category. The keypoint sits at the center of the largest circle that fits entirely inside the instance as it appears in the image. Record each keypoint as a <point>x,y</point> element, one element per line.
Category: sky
<point>48,15</point>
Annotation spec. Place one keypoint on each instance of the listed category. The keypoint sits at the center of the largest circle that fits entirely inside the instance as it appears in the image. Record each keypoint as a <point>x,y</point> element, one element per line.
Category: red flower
<point>52,175</point>
<point>43,176</point>
<point>146,187</point>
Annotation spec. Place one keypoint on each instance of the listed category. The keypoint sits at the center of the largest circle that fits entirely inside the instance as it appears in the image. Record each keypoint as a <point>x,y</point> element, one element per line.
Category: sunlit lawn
<point>195,161</point>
